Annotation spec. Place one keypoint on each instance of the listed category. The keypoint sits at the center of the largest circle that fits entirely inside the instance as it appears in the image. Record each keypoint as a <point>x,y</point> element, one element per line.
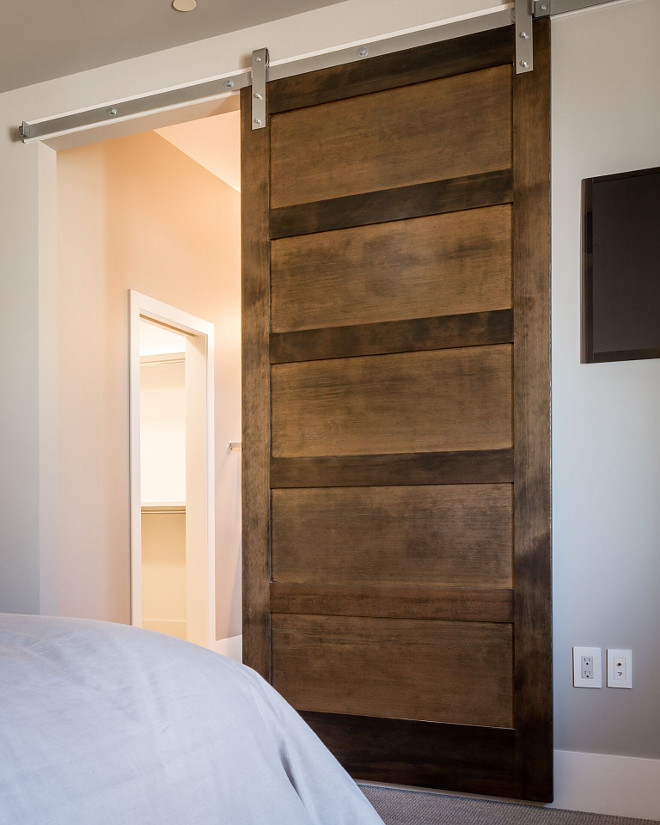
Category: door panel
<point>396,412</point>
<point>453,535</point>
<point>450,399</point>
<point>348,664</point>
<point>460,125</point>
<point>447,264</point>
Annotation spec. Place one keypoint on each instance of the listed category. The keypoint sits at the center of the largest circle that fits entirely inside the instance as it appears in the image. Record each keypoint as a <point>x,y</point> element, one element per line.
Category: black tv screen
<point>621,266</point>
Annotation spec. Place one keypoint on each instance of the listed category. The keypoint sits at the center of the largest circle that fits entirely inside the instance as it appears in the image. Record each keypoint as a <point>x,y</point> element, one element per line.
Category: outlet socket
<point>587,667</point>
<point>619,668</point>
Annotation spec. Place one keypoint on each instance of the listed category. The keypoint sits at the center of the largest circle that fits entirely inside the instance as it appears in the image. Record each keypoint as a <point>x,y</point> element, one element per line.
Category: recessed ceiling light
<point>184,5</point>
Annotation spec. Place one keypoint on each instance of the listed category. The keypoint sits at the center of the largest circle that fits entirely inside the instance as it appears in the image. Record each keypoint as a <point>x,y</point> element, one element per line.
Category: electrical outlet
<point>619,668</point>
<point>587,669</point>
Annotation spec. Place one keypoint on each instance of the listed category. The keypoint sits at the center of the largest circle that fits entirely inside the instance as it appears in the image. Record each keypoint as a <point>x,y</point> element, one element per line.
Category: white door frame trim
<point>143,306</point>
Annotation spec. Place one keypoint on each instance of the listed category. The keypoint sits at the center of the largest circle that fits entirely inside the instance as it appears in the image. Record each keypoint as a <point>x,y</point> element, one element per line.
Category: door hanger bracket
<point>523,15</point>
<point>524,36</point>
<point>259,82</point>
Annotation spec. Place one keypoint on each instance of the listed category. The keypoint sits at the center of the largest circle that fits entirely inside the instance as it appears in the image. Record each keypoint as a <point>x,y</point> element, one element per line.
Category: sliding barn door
<point>396,412</point>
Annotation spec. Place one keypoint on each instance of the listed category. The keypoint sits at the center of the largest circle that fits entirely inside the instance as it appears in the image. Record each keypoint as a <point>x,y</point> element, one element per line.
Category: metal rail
<point>46,128</point>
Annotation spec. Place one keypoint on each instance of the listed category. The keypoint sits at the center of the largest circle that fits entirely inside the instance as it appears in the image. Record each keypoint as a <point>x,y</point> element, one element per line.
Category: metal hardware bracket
<point>259,82</point>
<point>541,8</point>
<point>524,36</point>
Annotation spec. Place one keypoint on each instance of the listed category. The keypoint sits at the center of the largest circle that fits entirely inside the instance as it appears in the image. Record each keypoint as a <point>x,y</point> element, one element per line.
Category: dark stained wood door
<point>396,466</point>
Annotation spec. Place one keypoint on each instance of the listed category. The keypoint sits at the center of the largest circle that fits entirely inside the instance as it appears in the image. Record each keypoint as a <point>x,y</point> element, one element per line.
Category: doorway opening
<point>172,471</point>
<point>150,212</point>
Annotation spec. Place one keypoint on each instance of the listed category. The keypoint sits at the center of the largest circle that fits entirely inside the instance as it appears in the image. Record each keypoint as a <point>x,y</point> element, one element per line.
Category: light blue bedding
<point>104,724</point>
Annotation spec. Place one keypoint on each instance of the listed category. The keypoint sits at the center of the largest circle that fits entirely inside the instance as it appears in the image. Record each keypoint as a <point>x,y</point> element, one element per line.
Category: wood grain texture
<point>442,59</point>
<point>411,403</point>
<point>451,535</point>
<point>458,399</point>
<point>469,330</point>
<point>532,572</point>
<point>444,128</point>
<point>394,601</point>
<point>438,265</point>
<point>255,392</point>
<point>474,467</point>
<point>421,753</point>
<point>401,203</point>
<point>395,668</point>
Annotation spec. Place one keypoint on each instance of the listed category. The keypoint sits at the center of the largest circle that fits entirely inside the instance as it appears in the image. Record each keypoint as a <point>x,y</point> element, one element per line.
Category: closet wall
<point>163,481</point>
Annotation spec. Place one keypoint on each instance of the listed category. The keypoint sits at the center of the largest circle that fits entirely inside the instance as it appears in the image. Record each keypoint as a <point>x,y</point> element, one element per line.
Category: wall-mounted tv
<point>621,266</point>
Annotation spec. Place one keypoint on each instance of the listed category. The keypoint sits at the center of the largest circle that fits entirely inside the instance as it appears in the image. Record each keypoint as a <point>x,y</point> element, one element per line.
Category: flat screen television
<point>621,266</point>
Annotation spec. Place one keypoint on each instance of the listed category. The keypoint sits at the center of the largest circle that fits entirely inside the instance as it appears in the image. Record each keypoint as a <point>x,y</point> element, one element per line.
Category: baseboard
<point>231,647</point>
<point>607,784</point>
<point>595,782</point>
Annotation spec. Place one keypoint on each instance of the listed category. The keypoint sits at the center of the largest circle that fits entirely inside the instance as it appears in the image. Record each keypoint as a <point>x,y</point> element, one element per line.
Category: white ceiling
<point>43,39</point>
<point>214,142</point>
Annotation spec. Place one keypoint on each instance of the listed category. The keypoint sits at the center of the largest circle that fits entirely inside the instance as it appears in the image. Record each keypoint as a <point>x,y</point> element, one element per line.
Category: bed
<point>105,723</point>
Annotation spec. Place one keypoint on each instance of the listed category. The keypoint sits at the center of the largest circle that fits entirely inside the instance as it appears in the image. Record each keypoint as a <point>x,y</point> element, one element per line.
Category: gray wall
<point>606,417</point>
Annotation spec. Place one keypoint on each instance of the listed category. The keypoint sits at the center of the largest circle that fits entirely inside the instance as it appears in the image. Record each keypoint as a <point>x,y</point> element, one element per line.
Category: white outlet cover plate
<point>619,668</point>
<point>578,680</point>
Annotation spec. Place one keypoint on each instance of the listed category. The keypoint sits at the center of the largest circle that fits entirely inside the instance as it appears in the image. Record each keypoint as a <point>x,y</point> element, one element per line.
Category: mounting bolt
<point>258,96</point>
<point>544,6</point>
<point>523,36</point>
<point>257,60</point>
<point>363,51</point>
<point>524,64</point>
<point>111,112</point>
<point>257,121</point>
<point>229,84</point>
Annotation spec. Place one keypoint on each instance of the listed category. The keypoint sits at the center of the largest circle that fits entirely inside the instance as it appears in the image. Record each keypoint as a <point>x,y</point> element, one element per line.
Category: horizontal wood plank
<point>465,54</point>
<point>395,668</point>
<point>453,535</point>
<point>478,604</point>
<point>447,264</point>
<point>400,203</point>
<point>457,399</point>
<point>416,335</point>
<point>436,130</point>
<point>472,467</point>
<point>423,754</point>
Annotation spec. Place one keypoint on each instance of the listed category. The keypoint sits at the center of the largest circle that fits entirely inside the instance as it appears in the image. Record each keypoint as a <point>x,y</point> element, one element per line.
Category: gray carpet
<point>397,807</point>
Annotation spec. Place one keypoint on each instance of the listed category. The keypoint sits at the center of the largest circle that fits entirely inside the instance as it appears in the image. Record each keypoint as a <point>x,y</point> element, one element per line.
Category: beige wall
<point>136,213</point>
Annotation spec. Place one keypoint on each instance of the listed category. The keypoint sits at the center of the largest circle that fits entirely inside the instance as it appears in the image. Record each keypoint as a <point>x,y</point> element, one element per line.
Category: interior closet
<point>163,477</point>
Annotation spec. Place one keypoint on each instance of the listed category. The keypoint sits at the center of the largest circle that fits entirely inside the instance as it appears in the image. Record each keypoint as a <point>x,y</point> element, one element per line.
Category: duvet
<point>107,724</point>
